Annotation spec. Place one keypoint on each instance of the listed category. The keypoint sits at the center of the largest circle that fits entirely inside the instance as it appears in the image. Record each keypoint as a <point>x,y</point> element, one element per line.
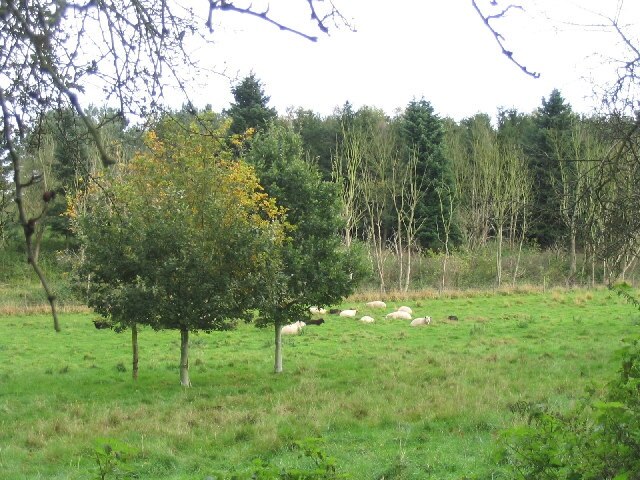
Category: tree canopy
<point>180,238</point>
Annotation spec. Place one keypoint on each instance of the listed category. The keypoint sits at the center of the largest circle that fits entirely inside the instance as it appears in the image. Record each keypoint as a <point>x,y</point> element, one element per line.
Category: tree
<point>250,111</point>
<point>422,133</point>
<point>553,121</point>
<point>181,238</point>
<point>319,137</point>
<point>46,64</point>
<point>315,268</point>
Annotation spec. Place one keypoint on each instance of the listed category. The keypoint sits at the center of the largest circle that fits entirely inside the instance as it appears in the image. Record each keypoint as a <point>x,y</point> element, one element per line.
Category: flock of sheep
<point>402,313</point>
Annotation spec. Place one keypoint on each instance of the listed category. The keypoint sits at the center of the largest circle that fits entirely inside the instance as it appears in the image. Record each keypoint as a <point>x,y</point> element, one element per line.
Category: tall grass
<point>391,401</point>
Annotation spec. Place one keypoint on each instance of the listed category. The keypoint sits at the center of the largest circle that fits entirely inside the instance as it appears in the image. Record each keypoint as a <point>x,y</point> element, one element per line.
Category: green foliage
<point>324,466</point>
<point>553,123</point>
<point>316,269</point>
<point>422,134</point>
<point>249,109</point>
<point>111,456</point>
<point>598,439</point>
<point>182,237</point>
<point>319,136</point>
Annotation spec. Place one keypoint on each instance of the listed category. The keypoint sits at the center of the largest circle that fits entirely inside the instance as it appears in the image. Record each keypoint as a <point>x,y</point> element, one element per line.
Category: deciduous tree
<point>314,266</point>
<point>180,238</point>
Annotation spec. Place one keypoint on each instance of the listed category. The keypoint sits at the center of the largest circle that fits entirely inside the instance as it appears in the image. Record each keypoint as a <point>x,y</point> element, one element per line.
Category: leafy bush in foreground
<point>598,439</point>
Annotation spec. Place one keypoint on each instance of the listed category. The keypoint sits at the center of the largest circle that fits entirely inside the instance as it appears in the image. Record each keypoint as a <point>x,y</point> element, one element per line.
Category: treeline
<point>420,191</point>
<point>549,180</point>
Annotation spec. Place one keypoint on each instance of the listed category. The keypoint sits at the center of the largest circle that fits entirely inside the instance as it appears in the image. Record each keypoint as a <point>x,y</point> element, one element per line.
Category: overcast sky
<point>406,49</point>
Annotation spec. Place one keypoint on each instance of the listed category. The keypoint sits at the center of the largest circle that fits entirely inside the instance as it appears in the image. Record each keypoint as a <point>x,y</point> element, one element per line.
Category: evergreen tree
<point>553,121</point>
<point>249,109</point>
<point>422,134</point>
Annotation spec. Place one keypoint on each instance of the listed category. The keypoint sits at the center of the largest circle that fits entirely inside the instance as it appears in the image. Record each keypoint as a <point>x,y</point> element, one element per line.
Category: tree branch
<point>499,38</point>
<point>28,225</point>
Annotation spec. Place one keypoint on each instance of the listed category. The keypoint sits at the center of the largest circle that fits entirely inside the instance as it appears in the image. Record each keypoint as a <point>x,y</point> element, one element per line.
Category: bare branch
<point>499,38</point>
<point>28,225</point>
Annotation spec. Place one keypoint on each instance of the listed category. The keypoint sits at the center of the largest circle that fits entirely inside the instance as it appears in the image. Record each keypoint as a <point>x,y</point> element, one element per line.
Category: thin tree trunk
<point>499,257</point>
<point>444,269</point>
<point>27,224</point>
<point>134,346</point>
<point>408,272</point>
<point>572,253</point>
<point>278,353</point>
<point>184,358</point>
<point>515,269</point>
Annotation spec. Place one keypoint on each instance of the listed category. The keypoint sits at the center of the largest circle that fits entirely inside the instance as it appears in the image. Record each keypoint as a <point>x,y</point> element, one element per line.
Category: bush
<point>598,439</point>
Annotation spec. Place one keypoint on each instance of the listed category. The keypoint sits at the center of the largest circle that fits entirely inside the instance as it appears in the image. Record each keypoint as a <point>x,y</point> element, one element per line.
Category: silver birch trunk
<point>278,352</point>
<point>184,358</point>
<point>572,254</point>
<point>499,257</point>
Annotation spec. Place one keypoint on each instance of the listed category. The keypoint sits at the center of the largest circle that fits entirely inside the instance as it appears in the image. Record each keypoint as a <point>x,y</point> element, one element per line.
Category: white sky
<point>405,49</point>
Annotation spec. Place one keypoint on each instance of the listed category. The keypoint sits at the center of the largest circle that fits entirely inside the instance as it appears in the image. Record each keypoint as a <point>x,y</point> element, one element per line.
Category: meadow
<point>390,401</point>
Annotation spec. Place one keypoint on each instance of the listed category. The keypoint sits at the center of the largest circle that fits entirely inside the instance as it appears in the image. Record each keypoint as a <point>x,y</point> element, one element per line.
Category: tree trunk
<point>572,253</point>
<point>184,358</point>
<point>278,359</point>
<point>134,346</point>
<point>499,256</point>
<point>444,268</point>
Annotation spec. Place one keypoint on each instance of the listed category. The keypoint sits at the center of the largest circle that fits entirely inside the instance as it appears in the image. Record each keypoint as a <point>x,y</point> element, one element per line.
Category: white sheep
<point>367,319</point>
<point>377,304</point>
<point>317,311</point>
<point>418,322</point>
<point>348,313</point>
<point>405,309</point>
<point>401,315</point>
<point>293,328</point>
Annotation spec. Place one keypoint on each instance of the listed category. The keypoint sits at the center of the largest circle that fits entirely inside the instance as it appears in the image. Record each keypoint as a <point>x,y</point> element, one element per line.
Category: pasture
<point>390,401</point>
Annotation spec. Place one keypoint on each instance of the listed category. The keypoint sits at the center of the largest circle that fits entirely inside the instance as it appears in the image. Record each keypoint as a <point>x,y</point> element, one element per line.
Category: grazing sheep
<point>405,309</point>
<point>293,328</point>
<point>348,313</point>
<point>317,321</point>
<point>418,322</point>
<point>367,319</point>
<point>453,318</point>
<point>316,310</point>
<point>401,315</point>
<point>377,304</point>
<point>334,311</point>
<point>100,324</point>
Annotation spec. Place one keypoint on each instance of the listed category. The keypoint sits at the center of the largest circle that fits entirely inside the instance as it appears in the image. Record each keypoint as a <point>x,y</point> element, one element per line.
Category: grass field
<point>390,401</point>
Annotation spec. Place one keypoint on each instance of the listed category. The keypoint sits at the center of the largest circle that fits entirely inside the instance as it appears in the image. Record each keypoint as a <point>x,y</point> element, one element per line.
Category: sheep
<point>316,310</point>
<point>334,311</point>
<point>293,328</point>
<point>418,322</point>
<point>377,304</point>
<point>318,321</point>
<point>348,313</point>
<point>400,314</point>
<point>367,319</point>
<point>405,309</point>
<point>100,324</point>
<point>453,318</point>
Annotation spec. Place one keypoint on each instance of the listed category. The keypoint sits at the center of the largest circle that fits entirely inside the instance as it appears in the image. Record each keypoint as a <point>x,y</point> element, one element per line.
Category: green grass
<point>391,401</point>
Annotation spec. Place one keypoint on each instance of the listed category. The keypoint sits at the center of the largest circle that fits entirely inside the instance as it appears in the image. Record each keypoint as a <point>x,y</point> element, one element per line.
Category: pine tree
<point>553,122</point>
<point>249,110</point>
<point>422,134</point>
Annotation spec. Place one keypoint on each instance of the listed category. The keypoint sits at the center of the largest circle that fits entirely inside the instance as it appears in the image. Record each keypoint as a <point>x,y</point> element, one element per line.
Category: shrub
<point>598,439</point>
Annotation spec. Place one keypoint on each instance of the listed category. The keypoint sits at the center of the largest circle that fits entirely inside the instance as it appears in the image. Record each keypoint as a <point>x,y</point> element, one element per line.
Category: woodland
<point>201,221</point>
